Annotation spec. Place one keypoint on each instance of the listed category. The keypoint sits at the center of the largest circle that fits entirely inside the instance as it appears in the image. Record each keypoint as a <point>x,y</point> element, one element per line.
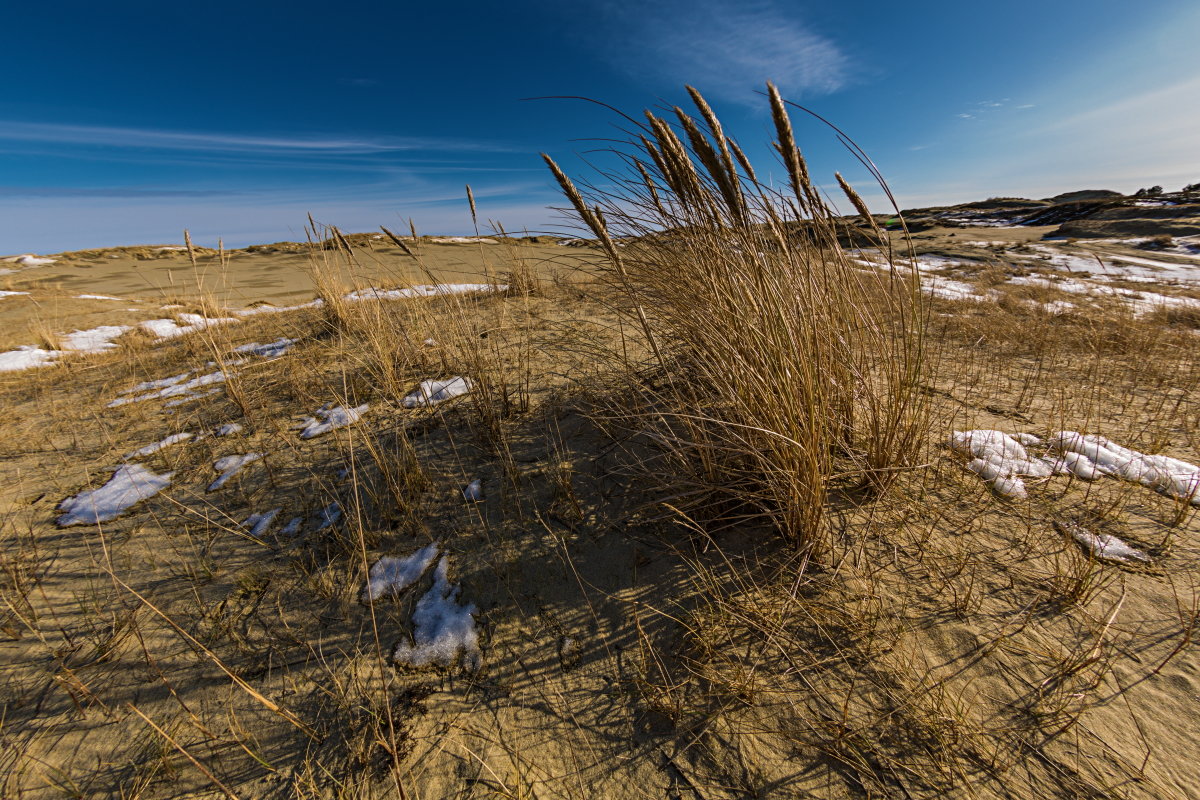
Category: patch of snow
<point>129,485</point>
<point>182,325</point>
<point>258,523</point>
<point>473,493</point>
<point>999,459</point>
<point>462,240</point>
<point>391,575</point>
<point>5,293</point>
<point>271,350</point>
<point>929,263</point>
<point>171,387</point>
<point>187,398</point>
<point>94,340</point>
<point>336,417</point>
<point>26,357</point>
<point>433,290</point>
<point>29,260</point>
<point>1107,547</point>
<point>329,516</point>
<point>1057,307</point>
<point>95,297</point>
<point>292,527</point>
<point>228,429</point>
<point>174,438</point>
<point>161,383</point>
<point>442,628</point>
<point>432,392</point>
<point>948,289</point>
<point>267,308</point>
<point>1128,267</point>
<point>1166,475</point>
<point>1001,481</point>
<point>230,466</point>
<point>1141,302</point>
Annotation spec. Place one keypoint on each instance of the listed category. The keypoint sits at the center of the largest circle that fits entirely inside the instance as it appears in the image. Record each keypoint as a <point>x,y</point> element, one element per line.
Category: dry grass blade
<point>801,368</point>
<point>207,773</point>
<point>238,681</point>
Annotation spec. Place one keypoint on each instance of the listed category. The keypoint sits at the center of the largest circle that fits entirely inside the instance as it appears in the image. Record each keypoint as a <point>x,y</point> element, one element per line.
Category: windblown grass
<point>809,599</point>
<point>782,369</point>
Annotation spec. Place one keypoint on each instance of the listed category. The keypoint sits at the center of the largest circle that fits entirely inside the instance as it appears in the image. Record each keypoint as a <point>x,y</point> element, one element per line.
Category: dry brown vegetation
<point>721,551</point>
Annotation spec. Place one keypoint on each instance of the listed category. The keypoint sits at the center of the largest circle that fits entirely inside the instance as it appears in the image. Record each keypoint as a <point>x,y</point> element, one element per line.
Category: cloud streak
<point>216,142</point>
<point>729,50</point>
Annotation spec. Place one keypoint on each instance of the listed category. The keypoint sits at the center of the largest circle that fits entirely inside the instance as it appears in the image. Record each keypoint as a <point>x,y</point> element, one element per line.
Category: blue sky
<point>125,123</point>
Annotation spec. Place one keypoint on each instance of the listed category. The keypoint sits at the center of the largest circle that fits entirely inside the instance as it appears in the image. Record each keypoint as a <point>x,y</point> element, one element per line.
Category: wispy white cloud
<point>217,142</point>
<point>729,50</point>
<point>985,107</point>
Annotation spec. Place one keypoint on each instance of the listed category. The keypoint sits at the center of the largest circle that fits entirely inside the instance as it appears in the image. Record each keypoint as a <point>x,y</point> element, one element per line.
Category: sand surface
<point>147,278</point>
<point>958,645</point>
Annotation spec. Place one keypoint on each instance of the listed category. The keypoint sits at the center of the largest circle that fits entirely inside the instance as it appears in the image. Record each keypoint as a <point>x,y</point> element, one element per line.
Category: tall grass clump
<point>782,368</point>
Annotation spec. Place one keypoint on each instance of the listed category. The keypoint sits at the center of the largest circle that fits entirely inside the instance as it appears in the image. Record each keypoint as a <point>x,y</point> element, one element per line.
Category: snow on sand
<point>230,466</point>
<point>442,628</point>
<point>330,419</point>
<point>432,392</point>
<point>391,575</point>
<point>129,485</point>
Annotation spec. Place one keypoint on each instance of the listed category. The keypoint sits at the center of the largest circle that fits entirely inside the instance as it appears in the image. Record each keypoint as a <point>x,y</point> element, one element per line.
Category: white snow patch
<point>5,293</point>
<point>228,429</point>
<point>160,383</point>
<point>948,289</point>
<point>187,398</point>
<point>1001,481</point>
<point>175,386</point>
<point>390,575</point>
<point>999,459</point>
<point>258,523</point>
<point>1057,307</point>
<point>183,324</point>
<point>150,449</point>
<point>230,466</point>
<point>432,290</point>
<point>270,350</point>
<point>1164,474</point>
<point>93,340</point>
<point>329,516</point>
<point>473,493</point>
<point>462,240</point>
<point>26,357</point>
<point>129,485</point>
<point>267,308</point>
<point>1141,302</point>
<point>29,260</point>
<point>442,628</point>
<point>95,297</point>
<point>1106,546</point>
<point>432,392</point>
<point>336,417</point>
<point>292,527</point>
<point>1128,267</point>
<point>1074,464</point>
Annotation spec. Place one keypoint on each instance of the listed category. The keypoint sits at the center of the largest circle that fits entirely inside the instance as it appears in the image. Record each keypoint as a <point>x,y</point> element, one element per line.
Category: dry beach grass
<point>720,549</point>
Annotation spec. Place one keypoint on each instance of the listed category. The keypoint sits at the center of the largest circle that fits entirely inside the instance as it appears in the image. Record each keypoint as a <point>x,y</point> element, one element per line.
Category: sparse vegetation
<point>716,548</point>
